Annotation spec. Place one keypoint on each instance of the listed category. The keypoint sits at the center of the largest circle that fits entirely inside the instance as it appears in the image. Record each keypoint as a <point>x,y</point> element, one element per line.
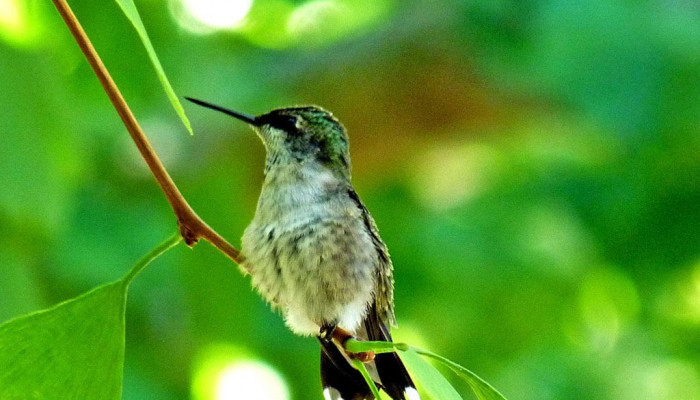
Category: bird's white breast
<point>308,251</point>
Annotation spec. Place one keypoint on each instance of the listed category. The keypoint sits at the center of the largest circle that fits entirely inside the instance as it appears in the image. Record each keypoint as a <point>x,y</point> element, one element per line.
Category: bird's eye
<point>287,123</point>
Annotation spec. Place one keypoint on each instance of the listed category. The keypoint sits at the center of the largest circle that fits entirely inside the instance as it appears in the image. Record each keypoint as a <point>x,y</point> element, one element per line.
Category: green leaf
<point>74,350</point>
<point>360,366</point>
<point>427,377</point>
<point>482,389</point>
<point>132,14</point>
<point>361,346</point>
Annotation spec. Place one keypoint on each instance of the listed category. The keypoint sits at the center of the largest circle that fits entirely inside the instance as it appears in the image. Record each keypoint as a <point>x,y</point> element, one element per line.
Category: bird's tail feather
<point>394,377</point>
<point>339,379</point>
<point>342,381</point>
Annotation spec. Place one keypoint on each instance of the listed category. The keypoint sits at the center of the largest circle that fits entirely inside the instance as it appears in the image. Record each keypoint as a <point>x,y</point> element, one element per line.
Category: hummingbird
<point>313,250</point>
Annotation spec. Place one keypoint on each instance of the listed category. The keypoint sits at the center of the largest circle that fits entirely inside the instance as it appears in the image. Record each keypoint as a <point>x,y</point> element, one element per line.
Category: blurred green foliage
<point>532,165</point>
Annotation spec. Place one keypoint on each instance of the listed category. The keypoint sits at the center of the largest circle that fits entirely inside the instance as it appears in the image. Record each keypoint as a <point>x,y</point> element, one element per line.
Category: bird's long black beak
<point>235,114</point>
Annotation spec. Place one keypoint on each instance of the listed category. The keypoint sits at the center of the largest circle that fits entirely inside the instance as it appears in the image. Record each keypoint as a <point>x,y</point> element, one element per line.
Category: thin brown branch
<point>192,227</point>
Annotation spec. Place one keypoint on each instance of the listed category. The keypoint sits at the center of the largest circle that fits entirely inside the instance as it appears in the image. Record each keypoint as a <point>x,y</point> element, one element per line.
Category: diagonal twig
<point>192,227</point>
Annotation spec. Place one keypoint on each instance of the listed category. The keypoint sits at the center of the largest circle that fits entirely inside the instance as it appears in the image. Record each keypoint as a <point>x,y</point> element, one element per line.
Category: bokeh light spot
<point>608,305</point>
<point>10,16</point>
<point>556,239</point>
<point>19,21</point>
<point>691,296</point>
<point>210,15</point>
<point>449,175</point>
<point>322,21</point>
<point>657,379</point>
<point>680,301</point>
<point>225,372</point>
<point>218,13</point>
<point>251,380</point>
<point>313,15</point>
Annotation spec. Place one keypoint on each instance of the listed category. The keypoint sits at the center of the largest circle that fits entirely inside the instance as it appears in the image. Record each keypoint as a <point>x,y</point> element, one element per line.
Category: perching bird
<point>313,250</point>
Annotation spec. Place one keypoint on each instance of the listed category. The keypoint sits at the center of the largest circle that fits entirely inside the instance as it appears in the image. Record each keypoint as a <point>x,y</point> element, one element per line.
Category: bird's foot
<point>327,333</point>
<point>364,356</point>
<point>341,336</point>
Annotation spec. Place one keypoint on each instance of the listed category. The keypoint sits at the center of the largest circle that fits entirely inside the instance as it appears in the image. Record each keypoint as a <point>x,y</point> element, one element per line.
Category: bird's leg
<point>341,336</point>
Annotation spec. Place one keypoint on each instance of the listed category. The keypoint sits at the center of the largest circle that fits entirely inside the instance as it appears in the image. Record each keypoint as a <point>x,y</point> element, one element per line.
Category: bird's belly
<point>318,270</point>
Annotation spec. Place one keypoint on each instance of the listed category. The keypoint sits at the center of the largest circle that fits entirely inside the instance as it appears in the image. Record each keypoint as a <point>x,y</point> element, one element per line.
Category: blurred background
<point>533,167</point>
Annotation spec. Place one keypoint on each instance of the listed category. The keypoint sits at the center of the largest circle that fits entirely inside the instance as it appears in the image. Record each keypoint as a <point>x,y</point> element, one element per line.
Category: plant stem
<point>363,371</point>
<point>166,245</point>
<point>192,227</point>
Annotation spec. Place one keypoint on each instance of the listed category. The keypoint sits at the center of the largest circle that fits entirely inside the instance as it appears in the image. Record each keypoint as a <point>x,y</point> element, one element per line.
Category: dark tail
<point>341,381</point>
<point>396,381</point>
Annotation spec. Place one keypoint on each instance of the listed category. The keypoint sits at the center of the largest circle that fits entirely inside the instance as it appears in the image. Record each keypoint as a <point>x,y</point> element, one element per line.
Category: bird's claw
<point>341,336</point>
<point>364,356</point>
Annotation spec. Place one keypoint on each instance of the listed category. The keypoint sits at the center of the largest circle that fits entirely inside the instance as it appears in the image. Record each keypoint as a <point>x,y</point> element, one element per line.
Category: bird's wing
<point>384,281</point>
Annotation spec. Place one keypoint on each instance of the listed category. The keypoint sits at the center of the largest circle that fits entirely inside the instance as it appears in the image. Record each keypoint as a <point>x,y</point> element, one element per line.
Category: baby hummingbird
<point>313,250</point>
